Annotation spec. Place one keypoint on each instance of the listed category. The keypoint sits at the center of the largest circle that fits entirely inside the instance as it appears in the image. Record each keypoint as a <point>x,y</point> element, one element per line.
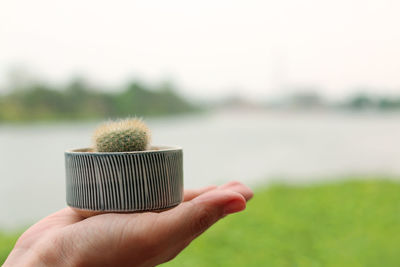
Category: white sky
<point>208,47</point>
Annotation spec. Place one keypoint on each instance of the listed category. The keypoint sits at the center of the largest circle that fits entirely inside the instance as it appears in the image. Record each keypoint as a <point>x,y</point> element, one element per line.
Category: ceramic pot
<point>101,182</point>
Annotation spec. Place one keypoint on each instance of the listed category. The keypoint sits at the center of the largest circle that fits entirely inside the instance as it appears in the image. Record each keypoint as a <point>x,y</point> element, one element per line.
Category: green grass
<point>354,223</point>
<point>351,223</point>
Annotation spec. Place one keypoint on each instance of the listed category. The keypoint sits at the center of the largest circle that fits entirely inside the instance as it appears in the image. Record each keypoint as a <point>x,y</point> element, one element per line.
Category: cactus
<point>121,136</point>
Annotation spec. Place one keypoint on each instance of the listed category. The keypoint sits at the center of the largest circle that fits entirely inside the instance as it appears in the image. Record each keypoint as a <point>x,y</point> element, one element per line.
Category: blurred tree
<point>386,103</point>
<point>362,101</point>
<point>77,100</point>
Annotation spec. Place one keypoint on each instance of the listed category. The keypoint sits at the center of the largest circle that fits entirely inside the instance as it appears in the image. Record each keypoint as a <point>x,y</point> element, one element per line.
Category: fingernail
<point>234,206</point>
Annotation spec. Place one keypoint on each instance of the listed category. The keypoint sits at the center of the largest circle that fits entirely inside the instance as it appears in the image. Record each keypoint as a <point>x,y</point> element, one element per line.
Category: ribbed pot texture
<point>124,181</point>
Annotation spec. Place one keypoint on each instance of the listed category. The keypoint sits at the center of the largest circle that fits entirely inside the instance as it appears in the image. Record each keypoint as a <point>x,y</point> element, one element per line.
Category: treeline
<point>356,102</point>
<point>78,100</point>
<point>365,102</point>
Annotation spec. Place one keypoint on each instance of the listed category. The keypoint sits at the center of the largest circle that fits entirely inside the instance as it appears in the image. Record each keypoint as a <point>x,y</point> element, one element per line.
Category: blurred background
<point>298,99</point>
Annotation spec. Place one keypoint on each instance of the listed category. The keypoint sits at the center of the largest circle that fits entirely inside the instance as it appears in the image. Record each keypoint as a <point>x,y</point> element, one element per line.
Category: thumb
<point>191,218</point>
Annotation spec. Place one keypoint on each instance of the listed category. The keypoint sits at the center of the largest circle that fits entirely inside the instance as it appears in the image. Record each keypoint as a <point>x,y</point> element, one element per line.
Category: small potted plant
<point>122,172</point>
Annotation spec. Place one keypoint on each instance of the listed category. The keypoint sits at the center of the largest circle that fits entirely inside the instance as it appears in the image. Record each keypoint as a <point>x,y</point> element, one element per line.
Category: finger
<point>236,186</point>
<point>233,185</point>
<point>192,193</point>
<point>192,218</point>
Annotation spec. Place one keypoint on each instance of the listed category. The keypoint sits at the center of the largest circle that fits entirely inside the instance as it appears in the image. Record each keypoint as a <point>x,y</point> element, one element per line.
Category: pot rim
<point>153,149</point>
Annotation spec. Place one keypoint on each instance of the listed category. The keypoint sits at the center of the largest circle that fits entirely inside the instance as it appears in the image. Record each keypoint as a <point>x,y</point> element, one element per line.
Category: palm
<point>144,239</point>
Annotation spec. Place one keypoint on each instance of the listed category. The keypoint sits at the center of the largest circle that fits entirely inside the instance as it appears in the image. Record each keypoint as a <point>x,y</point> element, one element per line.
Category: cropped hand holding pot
<point>123,173</point>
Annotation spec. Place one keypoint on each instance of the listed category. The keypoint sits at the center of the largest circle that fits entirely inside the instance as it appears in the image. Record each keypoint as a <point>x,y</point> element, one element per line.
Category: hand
<point>114,239</point>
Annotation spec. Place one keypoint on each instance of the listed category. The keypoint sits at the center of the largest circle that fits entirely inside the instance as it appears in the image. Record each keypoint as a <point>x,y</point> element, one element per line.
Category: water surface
<point>252,147</point>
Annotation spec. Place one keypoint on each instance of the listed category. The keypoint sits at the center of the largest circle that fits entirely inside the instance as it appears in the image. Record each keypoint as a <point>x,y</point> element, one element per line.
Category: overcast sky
<point>208,47</point>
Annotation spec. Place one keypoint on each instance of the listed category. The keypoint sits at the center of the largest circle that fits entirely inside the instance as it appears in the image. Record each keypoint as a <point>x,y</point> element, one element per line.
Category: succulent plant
<point>122,136</point>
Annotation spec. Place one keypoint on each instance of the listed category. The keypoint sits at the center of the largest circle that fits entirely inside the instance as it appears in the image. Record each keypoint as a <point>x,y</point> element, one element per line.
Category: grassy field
<point>345,224</point>
<point>353,223</point>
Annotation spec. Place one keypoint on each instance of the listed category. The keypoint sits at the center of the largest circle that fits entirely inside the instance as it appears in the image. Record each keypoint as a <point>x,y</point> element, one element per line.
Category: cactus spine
<point>122,136</point>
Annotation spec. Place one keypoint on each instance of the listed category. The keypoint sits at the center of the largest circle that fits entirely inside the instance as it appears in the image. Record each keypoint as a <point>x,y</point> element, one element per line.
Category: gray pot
<point>124,181</point>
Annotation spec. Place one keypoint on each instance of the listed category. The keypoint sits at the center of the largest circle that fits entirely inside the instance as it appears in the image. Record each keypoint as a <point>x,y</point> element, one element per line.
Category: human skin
<point>140,239</point>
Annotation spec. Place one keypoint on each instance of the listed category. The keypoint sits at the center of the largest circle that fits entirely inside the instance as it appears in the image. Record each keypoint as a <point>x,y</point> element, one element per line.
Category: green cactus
<point>121,136</point>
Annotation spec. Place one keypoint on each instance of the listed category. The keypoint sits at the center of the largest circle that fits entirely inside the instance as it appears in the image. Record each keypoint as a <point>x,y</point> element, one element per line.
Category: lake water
<point>255,148</point>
